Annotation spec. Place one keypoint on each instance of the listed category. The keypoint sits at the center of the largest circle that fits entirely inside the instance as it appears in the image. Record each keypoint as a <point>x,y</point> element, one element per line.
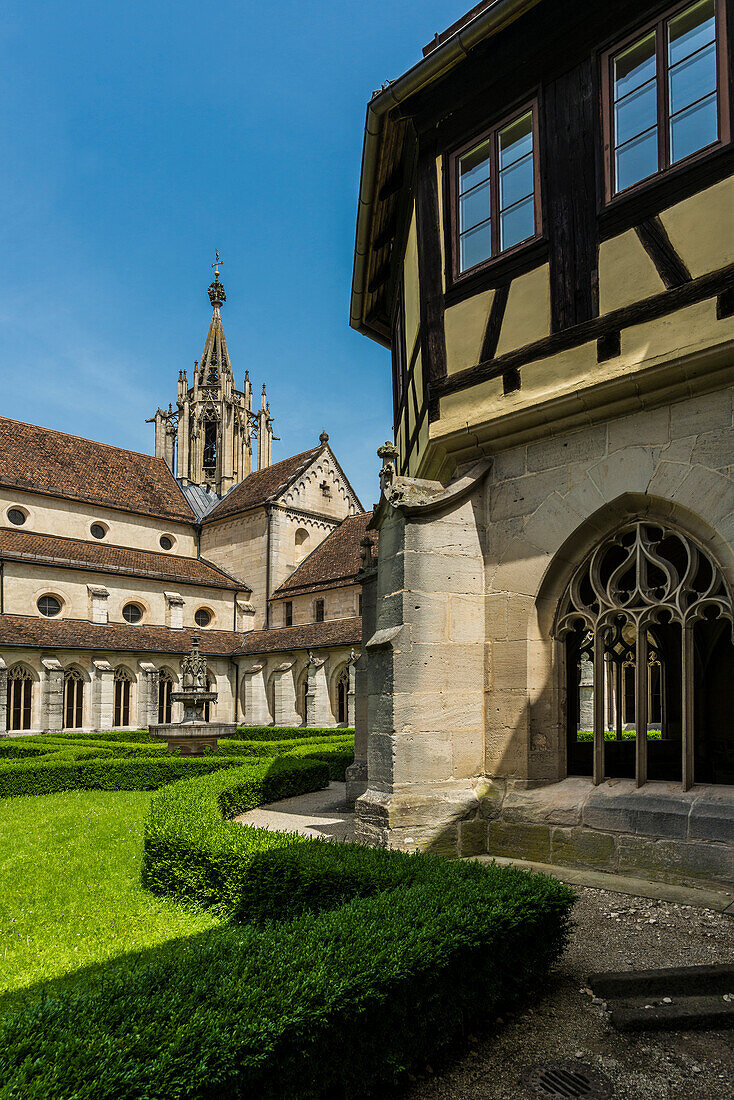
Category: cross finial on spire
<point>217,297</point>
<point>216,265</point>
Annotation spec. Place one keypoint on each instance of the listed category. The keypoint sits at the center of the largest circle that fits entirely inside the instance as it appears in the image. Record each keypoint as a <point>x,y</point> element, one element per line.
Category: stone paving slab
<point>320,813</point>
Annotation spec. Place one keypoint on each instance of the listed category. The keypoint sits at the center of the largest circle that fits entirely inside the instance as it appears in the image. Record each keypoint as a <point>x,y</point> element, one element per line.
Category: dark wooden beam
<point>433,337</point>
<point>494,322</point>
<point>657,244</point>
<point>717,283</point>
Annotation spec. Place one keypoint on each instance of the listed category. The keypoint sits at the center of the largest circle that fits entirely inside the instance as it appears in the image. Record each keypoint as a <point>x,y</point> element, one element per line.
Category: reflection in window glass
<point>692,80</point>
<point>516,185</point>
<point>635,113</point>
<point>474,207</point>
<point>683,51</point>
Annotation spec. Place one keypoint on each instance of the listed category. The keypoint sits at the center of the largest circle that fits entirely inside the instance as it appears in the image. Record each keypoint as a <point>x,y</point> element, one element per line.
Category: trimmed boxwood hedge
<point>60,762</point>
<point>333,1004</point>
<point>279,733</point>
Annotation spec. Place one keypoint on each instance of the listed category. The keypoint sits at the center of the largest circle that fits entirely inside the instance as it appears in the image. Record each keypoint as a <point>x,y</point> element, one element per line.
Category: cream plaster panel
<point>285,554</point>
<point>72,519</point>
<point>24,583</point>
<point>418,379</point>
<point>339,603</point>
<point>701,228</point>
<point>567,374</point>
<point>411,289</point>
<point>465,325</point>
<point>527,316</point>
<point>626,273</point>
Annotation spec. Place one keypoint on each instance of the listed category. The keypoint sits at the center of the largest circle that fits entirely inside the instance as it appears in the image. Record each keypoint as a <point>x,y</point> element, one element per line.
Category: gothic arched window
<point>342,697</point>
<point>20,693</point>
<point>165,687</point>
<point>647,626</point>
<point>73,699</point>
<point>121,713</point>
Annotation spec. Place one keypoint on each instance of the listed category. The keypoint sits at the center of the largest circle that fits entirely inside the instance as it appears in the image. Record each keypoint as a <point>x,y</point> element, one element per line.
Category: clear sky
<point>137,137</point>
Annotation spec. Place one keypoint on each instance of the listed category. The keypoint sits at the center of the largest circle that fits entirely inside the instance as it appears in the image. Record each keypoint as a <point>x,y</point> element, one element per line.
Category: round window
<point>166,542</point>
<point>132,613</point>
<point>17,517</point>
<point>49,606</point>
<point>202,617</point>
<point>98,530</point>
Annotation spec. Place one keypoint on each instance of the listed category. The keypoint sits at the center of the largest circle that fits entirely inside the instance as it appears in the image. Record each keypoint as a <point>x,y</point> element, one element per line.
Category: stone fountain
<point>193,733</point>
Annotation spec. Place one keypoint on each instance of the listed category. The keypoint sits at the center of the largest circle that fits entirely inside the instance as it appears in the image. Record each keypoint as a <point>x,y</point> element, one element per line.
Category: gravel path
<point>613,932</point>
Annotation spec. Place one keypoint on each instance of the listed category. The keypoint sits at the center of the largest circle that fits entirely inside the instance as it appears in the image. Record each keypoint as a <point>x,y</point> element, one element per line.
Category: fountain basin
<point>192,738</point>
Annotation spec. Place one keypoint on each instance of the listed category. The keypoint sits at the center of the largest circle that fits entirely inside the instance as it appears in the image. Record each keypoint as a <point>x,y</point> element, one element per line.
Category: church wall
<point>293,537</point>
<point>25,583</point>
<point>307,492</point>
<point>339,603</point>
<point>239,545</point>
<point>97,670</point>
<point>72,519</point>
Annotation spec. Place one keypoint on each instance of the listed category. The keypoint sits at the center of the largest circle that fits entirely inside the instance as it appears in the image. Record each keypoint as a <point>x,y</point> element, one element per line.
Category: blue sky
<point>138,138</point>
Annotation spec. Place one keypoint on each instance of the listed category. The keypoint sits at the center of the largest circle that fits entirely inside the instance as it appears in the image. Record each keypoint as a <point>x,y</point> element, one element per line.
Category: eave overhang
<point>385,112</point>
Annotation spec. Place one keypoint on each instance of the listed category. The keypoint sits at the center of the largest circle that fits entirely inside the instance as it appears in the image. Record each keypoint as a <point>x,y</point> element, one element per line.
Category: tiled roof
<point>21,545</point>
<point>46,461</point>
<point>311,636</point>
<point>262,485</point>
<point>335,561</point>
<point>26,630</point>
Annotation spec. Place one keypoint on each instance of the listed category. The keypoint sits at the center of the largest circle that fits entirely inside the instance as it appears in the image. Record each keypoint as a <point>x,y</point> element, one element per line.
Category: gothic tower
<point>208,439</point>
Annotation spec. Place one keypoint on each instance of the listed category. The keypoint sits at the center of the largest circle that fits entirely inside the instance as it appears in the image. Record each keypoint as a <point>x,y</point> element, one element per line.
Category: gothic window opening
<point>342,698</point>
<point>289,613</point>
<point>647,627</point>
<point>165,706</point>
<point>73,699</point>
<point>301,693</point>
<point>207,705</point>
<point>121,712</point>
<point>319,611</point>
<point>20,694</point>
<point>210,446</point>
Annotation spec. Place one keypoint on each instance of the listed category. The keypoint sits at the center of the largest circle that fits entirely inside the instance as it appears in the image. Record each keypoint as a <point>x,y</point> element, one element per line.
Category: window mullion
<point>661,47</point>
<point>494,185</point>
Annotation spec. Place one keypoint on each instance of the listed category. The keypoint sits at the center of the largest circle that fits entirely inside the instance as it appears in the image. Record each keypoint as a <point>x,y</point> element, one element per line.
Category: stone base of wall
<point>356,777</point>
<point>442,819</point>
<point>657,831</point>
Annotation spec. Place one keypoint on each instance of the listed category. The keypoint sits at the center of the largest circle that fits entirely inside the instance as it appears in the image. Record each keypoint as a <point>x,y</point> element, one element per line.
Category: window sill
<point>496,271</point>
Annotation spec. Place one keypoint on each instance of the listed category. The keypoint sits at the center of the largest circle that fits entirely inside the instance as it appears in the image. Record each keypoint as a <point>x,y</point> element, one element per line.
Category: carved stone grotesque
<point>388,452</point>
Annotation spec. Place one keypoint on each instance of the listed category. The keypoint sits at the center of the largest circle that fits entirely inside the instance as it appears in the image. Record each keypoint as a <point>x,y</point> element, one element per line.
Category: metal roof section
<point>200,499</point>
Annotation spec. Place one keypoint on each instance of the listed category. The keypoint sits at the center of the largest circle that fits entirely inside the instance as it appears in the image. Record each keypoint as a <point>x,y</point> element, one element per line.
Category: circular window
<point>202,617</point>
<point>17,517</point>
<point>98,530</point>
<point>49,606</point>
<point>132,613</point>
<point>166,542</point>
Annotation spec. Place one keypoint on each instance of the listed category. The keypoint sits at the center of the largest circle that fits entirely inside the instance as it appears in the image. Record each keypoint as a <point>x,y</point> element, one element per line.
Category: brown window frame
<point>454,157</point>
<point>665,166</point>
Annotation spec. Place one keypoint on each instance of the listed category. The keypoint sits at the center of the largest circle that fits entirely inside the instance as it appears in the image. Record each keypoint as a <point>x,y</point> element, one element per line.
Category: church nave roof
<point>27,630</point>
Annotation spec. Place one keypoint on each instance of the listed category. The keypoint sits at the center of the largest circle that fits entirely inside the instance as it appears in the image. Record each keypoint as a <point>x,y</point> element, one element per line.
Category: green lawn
<point>70,894</point>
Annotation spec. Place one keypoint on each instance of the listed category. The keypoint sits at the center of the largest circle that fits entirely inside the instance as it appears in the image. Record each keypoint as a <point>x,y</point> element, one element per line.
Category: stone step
<point>683,1013</point>
<point>678,980</point>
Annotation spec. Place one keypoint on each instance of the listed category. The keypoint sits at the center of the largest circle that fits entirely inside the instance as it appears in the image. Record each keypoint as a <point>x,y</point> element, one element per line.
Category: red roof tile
<point>310,636</point>
<point>37,633</point>
<point>43,460</point>
<point>261,486</point>
<point>335,561</point>
<point>18,545</point>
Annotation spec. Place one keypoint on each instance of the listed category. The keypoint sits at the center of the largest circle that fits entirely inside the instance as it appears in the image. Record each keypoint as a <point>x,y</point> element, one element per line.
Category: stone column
<point>356,774</point>
<point>284,696</point>
<point>52,695</point>
<point>426,668</point>
<point>3,696</point>
<point>103,695</point>
<point>147,695</point>
<point>257,712</point>
<point>351,690</point>
<point>318,705</point>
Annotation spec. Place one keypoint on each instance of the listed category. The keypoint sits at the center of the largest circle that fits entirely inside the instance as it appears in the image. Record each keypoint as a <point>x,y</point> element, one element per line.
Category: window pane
<point>516,182</point>
<point>516,140</point>
<point>474,167</point>
<point>476,245</point>
<point>635,66</point>
<point>474,207</point>
<point>691,30</point>
<point>636,113</point>
<point>693,129</point>
<point>637,160</point>
<point>517,223</point>
<point>693,79</point>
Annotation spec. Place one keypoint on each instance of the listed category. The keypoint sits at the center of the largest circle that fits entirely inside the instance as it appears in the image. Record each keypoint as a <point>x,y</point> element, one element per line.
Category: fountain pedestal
<point>192,735</point>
